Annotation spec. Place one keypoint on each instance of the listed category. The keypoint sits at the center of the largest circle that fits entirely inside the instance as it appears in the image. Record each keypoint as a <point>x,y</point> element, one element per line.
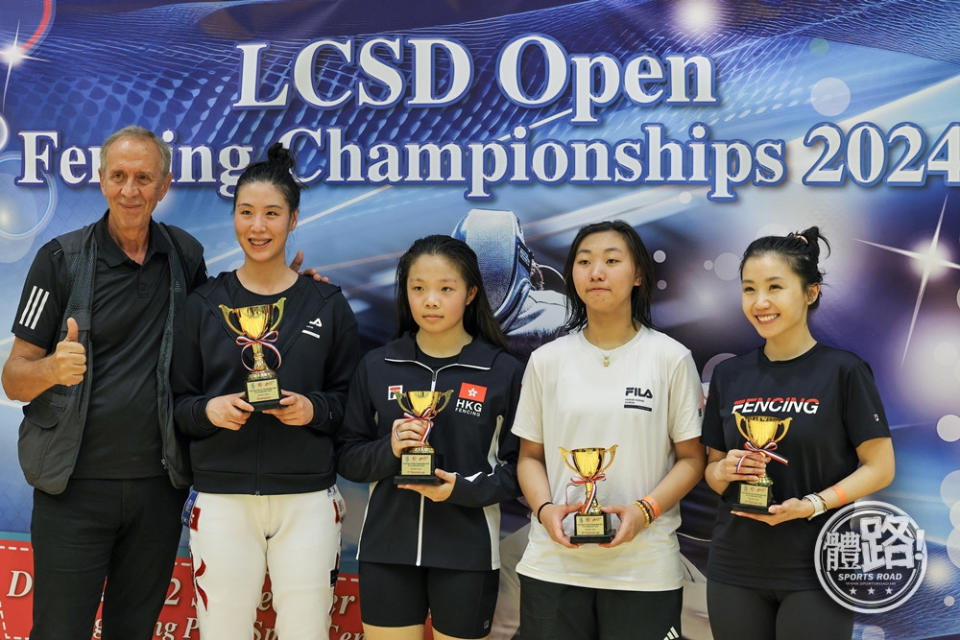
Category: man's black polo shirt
<point>122,436</point>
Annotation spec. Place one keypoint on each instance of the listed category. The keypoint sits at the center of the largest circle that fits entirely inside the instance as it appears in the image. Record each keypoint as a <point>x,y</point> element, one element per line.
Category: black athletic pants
<point>741,613</point>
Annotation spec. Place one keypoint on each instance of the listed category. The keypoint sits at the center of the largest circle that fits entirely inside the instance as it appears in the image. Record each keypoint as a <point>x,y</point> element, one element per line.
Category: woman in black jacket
<point>434,547</point>
<point>264,477</point>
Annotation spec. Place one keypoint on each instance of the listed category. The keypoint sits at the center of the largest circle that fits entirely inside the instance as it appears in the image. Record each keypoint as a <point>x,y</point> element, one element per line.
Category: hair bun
<point>812,238</point>
<point>277,170</point>
<point>277,154</point>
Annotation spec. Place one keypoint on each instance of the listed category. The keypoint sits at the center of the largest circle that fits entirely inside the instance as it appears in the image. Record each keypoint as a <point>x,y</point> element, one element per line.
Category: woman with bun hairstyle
<point>613,380</point>
<point>434,548</point>
<point>833,435</point>
<point>264,479</point>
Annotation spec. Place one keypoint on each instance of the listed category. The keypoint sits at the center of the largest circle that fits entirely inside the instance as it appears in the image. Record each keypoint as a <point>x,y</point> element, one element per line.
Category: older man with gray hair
<point>91,356</point>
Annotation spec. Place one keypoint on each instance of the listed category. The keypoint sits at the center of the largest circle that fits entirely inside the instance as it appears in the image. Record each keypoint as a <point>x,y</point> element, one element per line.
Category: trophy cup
<point>418,463</point>
<point>761,435</point>
<point>257,330</point>
<point>590,524</point>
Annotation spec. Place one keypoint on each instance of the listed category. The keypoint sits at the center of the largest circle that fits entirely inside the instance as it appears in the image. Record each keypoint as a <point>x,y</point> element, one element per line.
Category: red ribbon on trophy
<point>767,450</point>
<point>427,417</point>
<point>592,481</point>
<point>264,340</point>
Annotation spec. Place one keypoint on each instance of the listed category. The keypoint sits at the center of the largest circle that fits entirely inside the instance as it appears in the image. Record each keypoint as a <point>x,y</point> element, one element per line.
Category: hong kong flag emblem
<point>472,392</point>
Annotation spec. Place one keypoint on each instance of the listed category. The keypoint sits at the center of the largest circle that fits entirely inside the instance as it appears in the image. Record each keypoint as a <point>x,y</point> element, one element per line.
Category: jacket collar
<point>479,353</point>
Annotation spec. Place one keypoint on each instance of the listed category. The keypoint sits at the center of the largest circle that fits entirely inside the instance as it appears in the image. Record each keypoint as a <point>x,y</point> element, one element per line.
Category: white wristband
<point>819,506</point>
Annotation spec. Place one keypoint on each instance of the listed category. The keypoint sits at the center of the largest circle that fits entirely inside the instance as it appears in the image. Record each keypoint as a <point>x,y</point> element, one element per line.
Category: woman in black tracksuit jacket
<point>318,344</point>
<point>264,481</point>
<point>424,547</point>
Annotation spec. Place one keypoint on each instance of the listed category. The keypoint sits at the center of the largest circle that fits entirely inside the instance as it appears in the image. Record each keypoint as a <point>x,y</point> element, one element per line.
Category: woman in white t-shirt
<point>613,380</point>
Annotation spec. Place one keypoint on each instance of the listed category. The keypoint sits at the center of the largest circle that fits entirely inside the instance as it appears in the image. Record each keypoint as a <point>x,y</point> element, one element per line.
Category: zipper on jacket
<point>259,451</point>
<point>434,373</point>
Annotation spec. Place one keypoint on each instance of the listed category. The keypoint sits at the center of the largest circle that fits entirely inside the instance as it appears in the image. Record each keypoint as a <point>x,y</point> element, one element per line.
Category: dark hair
<point>276,170</point>
<point>478,317</point>
<point>639,297</point>
<point>800,250</point>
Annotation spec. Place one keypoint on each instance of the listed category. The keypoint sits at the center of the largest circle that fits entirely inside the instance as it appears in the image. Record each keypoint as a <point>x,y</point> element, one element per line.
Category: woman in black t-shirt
<point>803,402</point>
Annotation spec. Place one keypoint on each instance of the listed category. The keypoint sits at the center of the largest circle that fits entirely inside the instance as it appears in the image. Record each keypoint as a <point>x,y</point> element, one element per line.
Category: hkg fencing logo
<point>871,557</point>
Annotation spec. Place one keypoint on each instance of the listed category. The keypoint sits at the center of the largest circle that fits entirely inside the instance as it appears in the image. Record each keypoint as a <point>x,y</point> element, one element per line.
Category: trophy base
<point>417,479</point>
<point>753,498</point>
<point>592,528</point>
<point>749,508</point>
<point>263,393</point>
<point>417,467</point>
<point>265,404</point>
<point>592,539</point>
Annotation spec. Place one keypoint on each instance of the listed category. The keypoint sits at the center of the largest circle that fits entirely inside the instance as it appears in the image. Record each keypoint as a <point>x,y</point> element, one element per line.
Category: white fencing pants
<point>234,538</point>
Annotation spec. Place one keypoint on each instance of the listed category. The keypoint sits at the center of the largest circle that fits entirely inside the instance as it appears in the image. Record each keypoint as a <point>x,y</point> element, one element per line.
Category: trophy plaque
<point>762,434</point>
<point>418,463</point>
<point>258,329</point>
<point>590,524</point>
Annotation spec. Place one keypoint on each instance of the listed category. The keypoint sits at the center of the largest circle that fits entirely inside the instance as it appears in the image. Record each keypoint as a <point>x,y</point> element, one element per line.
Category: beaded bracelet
<point>646,511</point>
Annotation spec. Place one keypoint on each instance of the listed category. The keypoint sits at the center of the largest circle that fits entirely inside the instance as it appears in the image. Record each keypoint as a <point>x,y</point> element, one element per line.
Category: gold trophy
<point>258,330</point>
<point>590,524</point>
<point>418,463</point>
<point>761,435</point>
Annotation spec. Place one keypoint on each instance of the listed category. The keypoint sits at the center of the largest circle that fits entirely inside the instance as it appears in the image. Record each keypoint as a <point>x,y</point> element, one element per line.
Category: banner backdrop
<point>703,123</point>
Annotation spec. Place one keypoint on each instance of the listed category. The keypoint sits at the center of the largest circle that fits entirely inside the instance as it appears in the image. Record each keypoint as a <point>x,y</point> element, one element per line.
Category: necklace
<point>605,354</point>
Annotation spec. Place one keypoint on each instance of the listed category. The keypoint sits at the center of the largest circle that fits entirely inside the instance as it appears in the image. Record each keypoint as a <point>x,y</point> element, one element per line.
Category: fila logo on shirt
<point>34,307</point>
<point>779,404</point>
<point>470,399</point>
<point>393,390</point>
<point>638,398</point>
<point>314,324</point>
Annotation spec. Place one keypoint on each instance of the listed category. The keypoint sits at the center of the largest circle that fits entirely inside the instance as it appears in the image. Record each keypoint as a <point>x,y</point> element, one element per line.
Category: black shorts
<point>551,611</point>
<point>460,603</point>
